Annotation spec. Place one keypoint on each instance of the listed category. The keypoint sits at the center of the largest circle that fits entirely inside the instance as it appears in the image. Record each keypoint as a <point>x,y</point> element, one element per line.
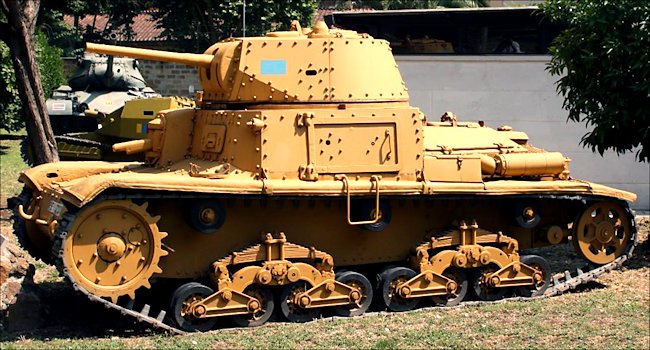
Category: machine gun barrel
<point>190,59</point>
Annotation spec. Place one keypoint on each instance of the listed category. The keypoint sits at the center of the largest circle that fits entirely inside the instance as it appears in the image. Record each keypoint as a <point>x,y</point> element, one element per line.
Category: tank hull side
<point>321,222</point>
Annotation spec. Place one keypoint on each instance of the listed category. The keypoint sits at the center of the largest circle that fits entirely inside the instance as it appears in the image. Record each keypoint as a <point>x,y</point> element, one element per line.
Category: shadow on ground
<point>64,313</point>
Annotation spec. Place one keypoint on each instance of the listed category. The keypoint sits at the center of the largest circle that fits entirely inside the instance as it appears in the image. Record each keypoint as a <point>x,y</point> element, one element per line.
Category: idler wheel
<point>291,308</point>
<point>206,216</point>
<point>112,248</point>
<point>482,288</point>
<point>462,286</point>
<point>602,232</point>
<point>390,280</point>
<point>181,309</point>
<point>267,305</point>
<point>360,282</point>
<point>542,281</point>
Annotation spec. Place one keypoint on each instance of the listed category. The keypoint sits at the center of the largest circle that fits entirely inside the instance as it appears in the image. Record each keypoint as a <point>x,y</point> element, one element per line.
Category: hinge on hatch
<point>304,119</point>
<point>307,173</point>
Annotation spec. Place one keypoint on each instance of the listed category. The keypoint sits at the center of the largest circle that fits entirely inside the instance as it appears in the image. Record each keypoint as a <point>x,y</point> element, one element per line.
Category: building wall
<point>169,78</point>
<point>517,91</point>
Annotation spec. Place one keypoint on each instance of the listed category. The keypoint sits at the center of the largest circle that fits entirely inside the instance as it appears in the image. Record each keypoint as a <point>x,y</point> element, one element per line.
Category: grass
<point>596,318</point>
<point>10,165</point>
<point>613,312</point>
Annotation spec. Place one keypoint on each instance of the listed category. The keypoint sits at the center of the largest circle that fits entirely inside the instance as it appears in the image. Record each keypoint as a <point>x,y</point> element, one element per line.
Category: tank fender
<point>46,175</point>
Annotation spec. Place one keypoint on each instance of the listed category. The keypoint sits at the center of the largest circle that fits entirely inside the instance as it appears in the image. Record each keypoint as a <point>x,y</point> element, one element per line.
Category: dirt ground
<point>66,314</point>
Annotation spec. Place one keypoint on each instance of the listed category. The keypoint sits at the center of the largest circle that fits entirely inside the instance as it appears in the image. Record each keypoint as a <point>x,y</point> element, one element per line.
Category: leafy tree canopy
<point>603,59</point>
<point>195,24</point>
<point>204,22</point>
<point>51,68</point>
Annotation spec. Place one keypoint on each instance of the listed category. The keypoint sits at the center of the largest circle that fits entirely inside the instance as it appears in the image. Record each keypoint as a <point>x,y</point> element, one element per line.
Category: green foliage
<point>10,110</point>
<point>49,63</point>
<point>603,59</point>
<point>51,68</point>
<point>204,22</point>
<point>59,33</point>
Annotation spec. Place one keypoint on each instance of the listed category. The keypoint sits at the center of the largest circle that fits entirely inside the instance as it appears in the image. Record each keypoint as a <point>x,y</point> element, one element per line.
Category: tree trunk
<point>18,34</point>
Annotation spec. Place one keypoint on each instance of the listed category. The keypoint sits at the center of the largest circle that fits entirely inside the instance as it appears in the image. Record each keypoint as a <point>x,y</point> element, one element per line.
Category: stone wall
<point>170,78</point>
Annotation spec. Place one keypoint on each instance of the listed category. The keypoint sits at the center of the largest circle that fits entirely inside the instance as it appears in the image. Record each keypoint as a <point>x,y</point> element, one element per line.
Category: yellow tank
<point>306,182</point>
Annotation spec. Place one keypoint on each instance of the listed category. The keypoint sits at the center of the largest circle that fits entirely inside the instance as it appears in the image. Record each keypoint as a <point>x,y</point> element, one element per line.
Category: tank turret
<point>322,66</point>
<point>97,73</point>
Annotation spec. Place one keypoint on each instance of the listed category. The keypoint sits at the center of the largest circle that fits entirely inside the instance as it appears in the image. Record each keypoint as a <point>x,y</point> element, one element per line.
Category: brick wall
<point>168,79</point>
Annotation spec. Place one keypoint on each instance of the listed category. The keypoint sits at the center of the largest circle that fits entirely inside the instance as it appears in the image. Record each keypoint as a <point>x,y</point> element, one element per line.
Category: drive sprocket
<point>111,248</point>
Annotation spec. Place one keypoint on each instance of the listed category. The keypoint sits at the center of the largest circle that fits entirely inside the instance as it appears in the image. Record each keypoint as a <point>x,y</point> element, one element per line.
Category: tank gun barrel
<point>109,68</point>
<point>190,59</point>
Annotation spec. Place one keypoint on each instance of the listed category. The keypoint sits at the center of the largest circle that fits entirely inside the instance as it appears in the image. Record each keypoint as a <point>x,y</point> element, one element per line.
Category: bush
<point>604,63</point>
<point>51,68</point>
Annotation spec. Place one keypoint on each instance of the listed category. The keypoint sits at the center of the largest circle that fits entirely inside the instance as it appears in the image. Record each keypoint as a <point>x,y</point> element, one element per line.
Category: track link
<point>72,139</point>
<point>561,282</point>
<point>128,309</point>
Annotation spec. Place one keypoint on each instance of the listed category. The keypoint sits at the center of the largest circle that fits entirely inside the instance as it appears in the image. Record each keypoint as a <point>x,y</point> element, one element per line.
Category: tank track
<point>25,152</point>
<point>128,309</point>
<point>560,282</point>
<point>19,227</point>
<point>27,155</point>
<point>72,139</point>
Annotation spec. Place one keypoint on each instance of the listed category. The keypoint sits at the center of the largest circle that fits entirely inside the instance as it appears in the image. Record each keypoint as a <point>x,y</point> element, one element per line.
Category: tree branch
<point>4,31</point>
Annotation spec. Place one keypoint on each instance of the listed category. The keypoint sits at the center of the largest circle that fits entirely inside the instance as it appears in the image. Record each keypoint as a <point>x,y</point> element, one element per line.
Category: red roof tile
<point>144,25</point>
<point>143,28</point>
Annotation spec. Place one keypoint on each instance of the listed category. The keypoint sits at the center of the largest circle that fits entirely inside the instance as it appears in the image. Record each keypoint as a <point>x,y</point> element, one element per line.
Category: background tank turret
<point>306,178</point>
<point>106,101</point>
<point>99,83</point>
